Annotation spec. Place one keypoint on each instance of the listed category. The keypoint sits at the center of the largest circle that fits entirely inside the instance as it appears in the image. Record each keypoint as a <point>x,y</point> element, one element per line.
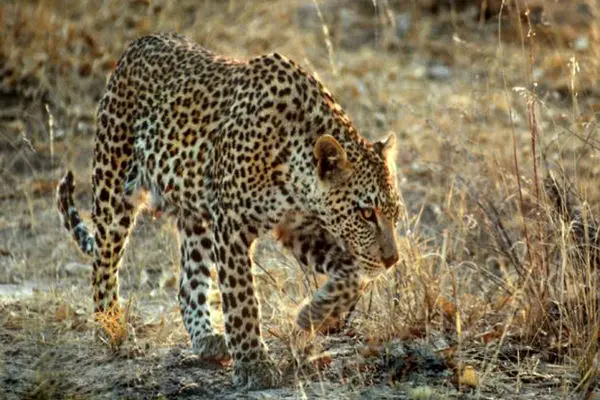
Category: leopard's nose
<point>391,261</point>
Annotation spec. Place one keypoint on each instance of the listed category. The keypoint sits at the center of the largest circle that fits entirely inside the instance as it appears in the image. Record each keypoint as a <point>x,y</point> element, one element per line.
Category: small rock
<point>439,343</point>
<point>469,377</point>
<point>16,292</point>
<point>417,72</point>
<point>346,26</point>
<point>307,16</point>
<point>353,31</point>
<point>85,128</point>
<point>538,73</point>
<point>264,394</point>
<point>380,120</point>
<point>403,24</point>
<point>421,393</point>
<point>410,360</point>
<point>439,72</point>
<point>77,269</point>
<point>581,43</point>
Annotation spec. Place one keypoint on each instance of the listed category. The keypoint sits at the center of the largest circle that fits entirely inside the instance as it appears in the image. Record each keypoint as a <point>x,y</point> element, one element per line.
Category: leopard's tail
<point>70,216</point>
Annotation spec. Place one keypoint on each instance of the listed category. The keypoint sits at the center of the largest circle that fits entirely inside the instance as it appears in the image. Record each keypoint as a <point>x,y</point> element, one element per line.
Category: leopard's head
<point>358,198</point>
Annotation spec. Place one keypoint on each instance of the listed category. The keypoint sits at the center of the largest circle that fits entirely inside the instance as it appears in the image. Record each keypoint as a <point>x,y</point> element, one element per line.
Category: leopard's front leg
<point>253,368</point>
<point>315,248</point>
<point>337,296</point>
<point>197,255</point>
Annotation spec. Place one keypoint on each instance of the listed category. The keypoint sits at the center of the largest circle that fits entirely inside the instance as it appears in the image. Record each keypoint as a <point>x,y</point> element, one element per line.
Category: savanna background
<point>495,105</point>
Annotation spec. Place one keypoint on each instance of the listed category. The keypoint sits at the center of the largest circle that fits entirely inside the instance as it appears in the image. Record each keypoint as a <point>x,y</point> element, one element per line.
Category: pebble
<point>307,16</point>
<point>77,269</point>
<point>439,72</point>
<point>403,24</point>
<point>353,31</point>
<point>581,43</point>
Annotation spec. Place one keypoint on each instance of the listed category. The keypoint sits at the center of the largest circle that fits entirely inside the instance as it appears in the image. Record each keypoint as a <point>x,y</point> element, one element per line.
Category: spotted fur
<point>234,150</point>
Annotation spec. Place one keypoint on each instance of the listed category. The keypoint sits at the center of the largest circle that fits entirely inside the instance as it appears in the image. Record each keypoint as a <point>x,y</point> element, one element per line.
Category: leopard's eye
<point>368,214</point>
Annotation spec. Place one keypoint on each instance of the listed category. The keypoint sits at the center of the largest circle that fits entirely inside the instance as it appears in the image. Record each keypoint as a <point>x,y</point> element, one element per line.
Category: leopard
<point>235,150</point>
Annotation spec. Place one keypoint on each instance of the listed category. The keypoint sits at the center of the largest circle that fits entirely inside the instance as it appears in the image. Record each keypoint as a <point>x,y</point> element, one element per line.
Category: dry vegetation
<point>495,106</point>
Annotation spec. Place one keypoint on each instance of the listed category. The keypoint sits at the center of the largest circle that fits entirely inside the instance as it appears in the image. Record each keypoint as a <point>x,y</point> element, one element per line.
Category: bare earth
<point>488,300</point>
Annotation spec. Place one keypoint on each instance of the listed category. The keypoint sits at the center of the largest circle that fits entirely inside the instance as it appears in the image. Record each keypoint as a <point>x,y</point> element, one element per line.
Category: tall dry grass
<point>499,266</point>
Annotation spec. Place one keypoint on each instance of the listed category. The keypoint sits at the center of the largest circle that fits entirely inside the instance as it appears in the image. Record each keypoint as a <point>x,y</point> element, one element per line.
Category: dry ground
<point>496,293</point>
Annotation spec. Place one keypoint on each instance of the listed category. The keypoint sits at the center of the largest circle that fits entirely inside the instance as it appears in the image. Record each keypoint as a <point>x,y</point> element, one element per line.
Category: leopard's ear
<point>332,160</point>
<point>386,148</point>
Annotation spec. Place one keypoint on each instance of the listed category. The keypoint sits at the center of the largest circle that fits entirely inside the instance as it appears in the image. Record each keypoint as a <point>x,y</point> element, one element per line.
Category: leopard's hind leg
<point>113,216</point>
<point>116,181</point>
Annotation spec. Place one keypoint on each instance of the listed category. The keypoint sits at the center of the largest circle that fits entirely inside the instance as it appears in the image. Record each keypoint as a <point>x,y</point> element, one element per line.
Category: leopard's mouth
<point>371,267</point>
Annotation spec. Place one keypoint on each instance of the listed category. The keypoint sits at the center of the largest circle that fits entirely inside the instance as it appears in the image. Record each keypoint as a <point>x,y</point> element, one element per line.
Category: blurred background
<point>495,105</point>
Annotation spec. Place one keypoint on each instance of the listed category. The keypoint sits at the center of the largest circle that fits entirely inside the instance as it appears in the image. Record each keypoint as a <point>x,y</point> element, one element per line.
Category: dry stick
<point>263,269</point>
<point>527,287</point>
<point>505,243</point>
<point>307,275</point>
<point>327,38</point>
<point>587,140</point>
<point>533,129</point>
<point>520,189</point>
<point>509,246</point>
<point>489,275</point>
<point>582,227</point>
<point>510,113</point>
<point>532,289</point>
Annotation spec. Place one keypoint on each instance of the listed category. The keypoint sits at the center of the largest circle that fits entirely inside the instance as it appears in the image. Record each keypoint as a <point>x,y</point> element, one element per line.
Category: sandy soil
<point>459,88</point>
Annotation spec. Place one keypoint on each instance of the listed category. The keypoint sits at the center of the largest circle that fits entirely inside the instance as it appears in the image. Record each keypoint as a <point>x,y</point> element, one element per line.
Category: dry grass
<point>499,173</point>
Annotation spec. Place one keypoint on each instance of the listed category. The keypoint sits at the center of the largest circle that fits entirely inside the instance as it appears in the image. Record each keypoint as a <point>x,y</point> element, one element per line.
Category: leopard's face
<point>359,201</point>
